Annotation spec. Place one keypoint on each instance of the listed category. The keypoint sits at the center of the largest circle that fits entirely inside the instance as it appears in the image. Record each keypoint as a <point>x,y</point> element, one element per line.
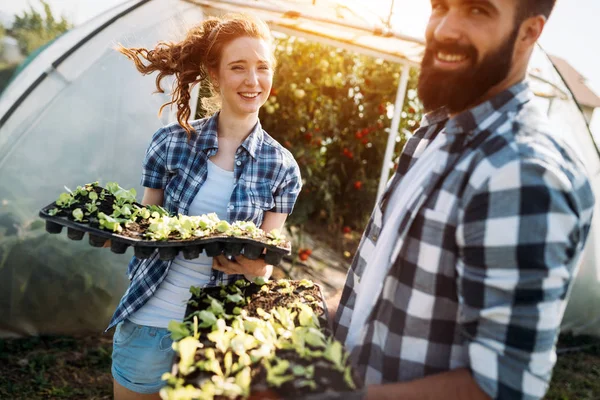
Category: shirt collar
<point>254,140</point>
<point>207,137</point>
<point>434,117</point>
<point>479,117</point>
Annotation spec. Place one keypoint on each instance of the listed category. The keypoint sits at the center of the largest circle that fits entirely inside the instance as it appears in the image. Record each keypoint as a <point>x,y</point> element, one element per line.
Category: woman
<point>224,164</point>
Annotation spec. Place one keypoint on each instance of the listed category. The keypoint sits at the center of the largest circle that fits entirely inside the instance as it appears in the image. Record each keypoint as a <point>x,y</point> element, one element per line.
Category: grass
<point>577,373</point>
<point>57,367</point>
<point>63,367</point>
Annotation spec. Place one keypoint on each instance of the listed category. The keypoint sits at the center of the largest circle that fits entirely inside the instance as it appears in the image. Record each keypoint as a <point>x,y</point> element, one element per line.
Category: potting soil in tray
<point>104,212</point>
<point>267,340</point>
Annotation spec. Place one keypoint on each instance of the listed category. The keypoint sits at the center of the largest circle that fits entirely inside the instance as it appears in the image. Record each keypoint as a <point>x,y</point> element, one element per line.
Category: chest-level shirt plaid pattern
<point>489,250</point>
<point>267,178</point>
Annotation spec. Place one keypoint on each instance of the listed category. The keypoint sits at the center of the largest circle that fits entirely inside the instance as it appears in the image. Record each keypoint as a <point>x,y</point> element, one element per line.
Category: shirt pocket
<point>173,192</point>
<point>261,196</point>
<point>261,200</point>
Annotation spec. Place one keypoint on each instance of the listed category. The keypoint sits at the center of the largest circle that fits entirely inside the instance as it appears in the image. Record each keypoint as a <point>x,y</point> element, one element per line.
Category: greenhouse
<point>78,112</point>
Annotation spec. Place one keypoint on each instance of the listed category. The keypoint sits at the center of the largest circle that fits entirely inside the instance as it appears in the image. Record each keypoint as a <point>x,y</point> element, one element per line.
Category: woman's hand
<point>241,265</point>
<point>251,269</point>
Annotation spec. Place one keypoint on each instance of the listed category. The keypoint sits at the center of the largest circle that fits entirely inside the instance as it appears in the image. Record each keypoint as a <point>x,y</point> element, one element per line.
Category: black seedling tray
<point>357,394</point>
<point>167,250</point>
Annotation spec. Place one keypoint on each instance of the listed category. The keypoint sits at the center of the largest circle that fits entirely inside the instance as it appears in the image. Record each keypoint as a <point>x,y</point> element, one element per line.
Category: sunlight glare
<point>409,16</point>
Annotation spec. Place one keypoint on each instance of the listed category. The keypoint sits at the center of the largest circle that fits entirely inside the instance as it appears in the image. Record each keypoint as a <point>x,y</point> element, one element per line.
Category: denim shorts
<point>141,354</point>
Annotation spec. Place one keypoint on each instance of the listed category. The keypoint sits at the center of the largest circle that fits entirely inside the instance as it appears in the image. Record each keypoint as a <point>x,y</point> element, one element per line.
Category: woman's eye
<point>237,67</point>
<point>264,67</point>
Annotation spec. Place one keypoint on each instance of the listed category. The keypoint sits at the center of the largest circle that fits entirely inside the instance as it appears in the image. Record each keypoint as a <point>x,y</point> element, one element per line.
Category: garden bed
<point>112,213</point>
<point>261,340</point>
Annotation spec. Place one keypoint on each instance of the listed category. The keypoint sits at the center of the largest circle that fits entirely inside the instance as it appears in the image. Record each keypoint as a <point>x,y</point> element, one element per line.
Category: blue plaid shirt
<point>267,178</point>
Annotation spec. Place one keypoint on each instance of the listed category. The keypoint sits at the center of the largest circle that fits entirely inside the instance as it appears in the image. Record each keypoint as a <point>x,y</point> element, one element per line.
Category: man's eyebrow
<point>483,3</point>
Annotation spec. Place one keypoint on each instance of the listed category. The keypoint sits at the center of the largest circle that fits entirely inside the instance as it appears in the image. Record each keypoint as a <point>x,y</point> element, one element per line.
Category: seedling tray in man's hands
<point>275,323</point>
<point>57,216</point>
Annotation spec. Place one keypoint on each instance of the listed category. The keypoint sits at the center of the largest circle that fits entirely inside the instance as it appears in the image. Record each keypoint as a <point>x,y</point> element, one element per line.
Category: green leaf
<point>78,215</point>
<point>306,283</point>
<point>65,200</point>
<point>276,373</point>
<point>227,362</point>
<point>307,316</point>
<point>234,298</point>
<point>311,336</point>
<point>348,378</point>
<point>243,380</point>
<point>216,306</point>
<point>334,353</point>
<point>242,283</point>
<point>262,313</point>
<point>222,227</point>
<point>196,291</point>
<point>261,281</point>
<point>178,330</point>
<point>208,319</point>
<point>186,348</point>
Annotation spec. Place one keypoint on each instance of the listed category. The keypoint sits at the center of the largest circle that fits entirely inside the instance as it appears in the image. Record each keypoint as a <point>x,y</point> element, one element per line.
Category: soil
<point>326,378</point>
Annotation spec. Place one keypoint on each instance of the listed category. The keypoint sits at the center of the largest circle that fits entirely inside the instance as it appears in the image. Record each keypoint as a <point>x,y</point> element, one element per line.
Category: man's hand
<point>243,266</point>
<point>333,302</point>
<point>458,384</point>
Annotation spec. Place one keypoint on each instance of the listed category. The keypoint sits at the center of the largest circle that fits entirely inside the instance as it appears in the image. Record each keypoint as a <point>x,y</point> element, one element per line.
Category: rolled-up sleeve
<point>154,165</point>
<point>286,194</point>
<point>519,235</point>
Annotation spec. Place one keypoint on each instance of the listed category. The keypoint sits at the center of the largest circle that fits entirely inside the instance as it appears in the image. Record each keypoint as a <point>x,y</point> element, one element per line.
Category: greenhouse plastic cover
<point>89,119</point>
<point>80,112</point>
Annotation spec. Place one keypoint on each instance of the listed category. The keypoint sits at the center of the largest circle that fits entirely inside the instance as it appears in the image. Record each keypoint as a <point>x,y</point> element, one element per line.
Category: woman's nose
<point>252,78</point>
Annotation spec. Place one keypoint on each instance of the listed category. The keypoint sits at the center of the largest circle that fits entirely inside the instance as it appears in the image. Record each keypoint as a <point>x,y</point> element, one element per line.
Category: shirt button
<point>231,207</point>
<point>212,278</point>
<point>238,163</point>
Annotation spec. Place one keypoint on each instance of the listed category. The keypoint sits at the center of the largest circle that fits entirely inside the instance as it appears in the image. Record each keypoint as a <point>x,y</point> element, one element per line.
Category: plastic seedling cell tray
<point>167,250</point>
<point>197,378</point>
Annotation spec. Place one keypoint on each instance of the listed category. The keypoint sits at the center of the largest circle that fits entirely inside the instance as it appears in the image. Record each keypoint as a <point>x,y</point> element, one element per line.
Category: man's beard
<point>457,90</point>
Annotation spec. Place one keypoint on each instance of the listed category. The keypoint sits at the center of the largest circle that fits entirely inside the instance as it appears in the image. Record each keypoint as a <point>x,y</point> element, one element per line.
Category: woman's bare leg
<point>122,393</point>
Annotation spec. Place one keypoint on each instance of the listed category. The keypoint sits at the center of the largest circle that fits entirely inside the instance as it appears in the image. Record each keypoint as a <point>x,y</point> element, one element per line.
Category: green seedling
<point>78,215</point>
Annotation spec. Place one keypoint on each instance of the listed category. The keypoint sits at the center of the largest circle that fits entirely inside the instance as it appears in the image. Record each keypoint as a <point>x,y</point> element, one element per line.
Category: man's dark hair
<point>529,8</point>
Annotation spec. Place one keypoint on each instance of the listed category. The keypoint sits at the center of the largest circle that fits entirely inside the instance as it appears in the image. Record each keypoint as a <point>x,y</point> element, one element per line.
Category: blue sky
<point>572,33</point>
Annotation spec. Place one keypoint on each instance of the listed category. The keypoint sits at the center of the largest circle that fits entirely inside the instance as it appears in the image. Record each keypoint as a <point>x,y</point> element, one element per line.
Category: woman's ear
<point>214,79</point>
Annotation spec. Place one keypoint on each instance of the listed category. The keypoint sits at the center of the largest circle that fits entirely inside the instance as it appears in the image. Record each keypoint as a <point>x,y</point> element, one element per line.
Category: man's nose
<point>449,28</point>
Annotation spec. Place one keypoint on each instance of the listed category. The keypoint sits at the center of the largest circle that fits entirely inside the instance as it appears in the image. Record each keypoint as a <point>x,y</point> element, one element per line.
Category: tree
<point>32,30</point>
<point>332,109</point>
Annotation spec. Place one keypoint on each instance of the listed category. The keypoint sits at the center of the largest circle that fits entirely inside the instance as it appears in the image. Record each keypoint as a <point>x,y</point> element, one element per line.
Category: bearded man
<point>462,276</point>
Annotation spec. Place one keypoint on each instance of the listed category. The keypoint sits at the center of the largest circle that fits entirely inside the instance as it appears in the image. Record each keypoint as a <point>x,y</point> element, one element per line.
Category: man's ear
<point>530,31</point>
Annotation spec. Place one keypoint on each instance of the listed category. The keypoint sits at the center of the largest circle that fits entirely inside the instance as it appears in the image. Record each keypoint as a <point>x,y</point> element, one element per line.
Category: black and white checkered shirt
<point>489,251</point>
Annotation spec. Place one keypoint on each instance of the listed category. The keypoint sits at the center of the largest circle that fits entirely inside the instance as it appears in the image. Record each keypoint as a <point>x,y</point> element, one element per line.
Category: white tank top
<point>170,299</point>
